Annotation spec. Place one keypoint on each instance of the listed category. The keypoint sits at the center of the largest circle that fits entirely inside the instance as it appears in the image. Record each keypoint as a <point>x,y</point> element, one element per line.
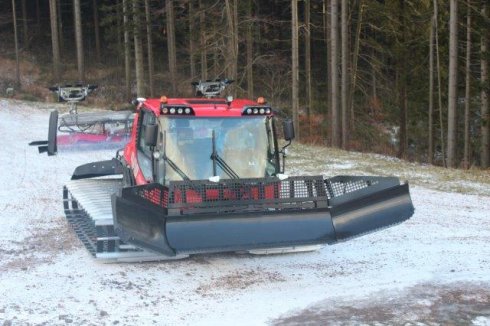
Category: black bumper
<point>361,210</point>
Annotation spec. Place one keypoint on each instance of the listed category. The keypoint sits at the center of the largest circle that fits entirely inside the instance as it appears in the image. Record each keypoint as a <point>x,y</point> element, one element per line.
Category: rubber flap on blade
<point>140,223</point>
<point>237,232</point>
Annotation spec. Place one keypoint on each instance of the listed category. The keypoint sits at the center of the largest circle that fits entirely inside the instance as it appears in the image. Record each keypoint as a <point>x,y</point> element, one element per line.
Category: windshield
<point>246,144</point>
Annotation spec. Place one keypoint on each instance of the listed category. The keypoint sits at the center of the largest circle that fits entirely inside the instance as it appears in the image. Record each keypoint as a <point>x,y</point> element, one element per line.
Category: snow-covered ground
<point>438,259</point>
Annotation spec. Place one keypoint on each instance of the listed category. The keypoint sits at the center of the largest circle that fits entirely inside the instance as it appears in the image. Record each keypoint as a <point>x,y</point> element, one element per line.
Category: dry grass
<point>32,88</point>
<point>311,159</point>
<point>239,281</point>
<point>36,79</point>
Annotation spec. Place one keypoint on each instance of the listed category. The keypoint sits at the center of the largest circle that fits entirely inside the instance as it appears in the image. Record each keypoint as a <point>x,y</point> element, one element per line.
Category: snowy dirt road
<point>434,268</point>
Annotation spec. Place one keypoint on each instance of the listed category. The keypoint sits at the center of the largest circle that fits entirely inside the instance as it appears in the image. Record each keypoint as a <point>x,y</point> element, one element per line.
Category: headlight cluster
<point>176,110</point>
<point>256,110</point>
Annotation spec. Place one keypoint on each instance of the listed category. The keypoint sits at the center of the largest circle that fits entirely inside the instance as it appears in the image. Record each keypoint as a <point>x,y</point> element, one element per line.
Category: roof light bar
<point>176,110</point>
<point>256,110</point>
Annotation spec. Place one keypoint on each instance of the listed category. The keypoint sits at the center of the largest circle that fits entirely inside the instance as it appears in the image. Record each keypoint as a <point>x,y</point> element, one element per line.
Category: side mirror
<point>288,128</point>
<point>151,135</point>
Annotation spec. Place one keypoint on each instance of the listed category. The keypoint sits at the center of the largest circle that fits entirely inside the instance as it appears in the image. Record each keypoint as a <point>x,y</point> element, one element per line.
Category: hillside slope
<point>46,276</point>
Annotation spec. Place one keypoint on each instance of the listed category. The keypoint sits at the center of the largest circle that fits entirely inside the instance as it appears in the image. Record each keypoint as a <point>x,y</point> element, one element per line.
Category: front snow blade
<point>248,214</point>
<point>140,222</point>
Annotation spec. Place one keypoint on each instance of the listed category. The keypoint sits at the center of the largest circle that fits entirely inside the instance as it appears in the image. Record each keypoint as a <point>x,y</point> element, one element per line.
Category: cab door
<point>144,153</point>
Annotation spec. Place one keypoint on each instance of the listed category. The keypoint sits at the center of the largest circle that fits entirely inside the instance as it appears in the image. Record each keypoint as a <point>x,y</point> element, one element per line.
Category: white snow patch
<point>41,281</point>
<point>481,321</point>
<point>342,166</point>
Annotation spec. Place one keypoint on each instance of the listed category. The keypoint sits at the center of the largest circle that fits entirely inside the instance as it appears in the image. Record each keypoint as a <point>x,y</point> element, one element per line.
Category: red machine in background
<point>110,129</point>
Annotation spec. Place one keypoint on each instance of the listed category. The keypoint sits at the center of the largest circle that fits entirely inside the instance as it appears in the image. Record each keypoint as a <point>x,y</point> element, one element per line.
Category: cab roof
<point>205,107</point>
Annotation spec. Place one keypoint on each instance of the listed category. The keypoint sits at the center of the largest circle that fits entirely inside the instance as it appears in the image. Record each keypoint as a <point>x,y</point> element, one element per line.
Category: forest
<point>403,78</point>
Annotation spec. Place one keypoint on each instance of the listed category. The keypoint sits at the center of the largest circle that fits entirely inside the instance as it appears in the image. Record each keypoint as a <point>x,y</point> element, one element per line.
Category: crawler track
<point>87,205</point>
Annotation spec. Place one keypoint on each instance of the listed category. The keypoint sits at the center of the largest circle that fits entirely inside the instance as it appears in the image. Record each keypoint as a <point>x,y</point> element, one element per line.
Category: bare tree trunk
<point>355,59</point>
<point>172,55</point>
<point>430,152</point>
<point>60,27</point>
<point>96,30</point>
<point>16,39</point>
<point>119,14</point>
<point>334,31</point>
<point>249,40</point>
<point>235,42</point>
<point>309,92</point>
<point>374,79</point>
<point>38,15</point>
<point>485,114</point>
<point>402,95</point>
<point>54,39</point>
<point>204,53</point>
<point>295,66</point>
<point>229,39</point>
<point>127,49</point>
<point>232,57</point>
<point>439,83</point>
<point>24,24</point>
<point>79,39</point>
<point>216,62</point>
<point>138,51</point>
<point>328,45</point>
<point>345,73</point>
<point>149,46</point>
<point>192,40</point>
<point>466,156</point>
<point>453,83</point>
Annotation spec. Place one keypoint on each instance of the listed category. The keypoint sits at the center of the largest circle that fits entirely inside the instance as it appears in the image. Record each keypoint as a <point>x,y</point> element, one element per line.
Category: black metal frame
<point>98,169</point>
<point>190,197</point>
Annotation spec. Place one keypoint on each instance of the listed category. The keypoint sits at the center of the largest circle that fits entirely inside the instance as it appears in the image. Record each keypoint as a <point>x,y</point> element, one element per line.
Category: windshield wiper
<point>175,168</point>
<point>218,161</point>
<point>170,162</point>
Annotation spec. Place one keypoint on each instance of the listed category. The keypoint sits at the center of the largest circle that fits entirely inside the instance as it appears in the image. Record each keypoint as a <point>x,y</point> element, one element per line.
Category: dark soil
<point>427,304</point>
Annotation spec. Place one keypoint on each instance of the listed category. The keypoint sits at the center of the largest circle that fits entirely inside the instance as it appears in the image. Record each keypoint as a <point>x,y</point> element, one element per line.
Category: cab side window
<point>144,152</point>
